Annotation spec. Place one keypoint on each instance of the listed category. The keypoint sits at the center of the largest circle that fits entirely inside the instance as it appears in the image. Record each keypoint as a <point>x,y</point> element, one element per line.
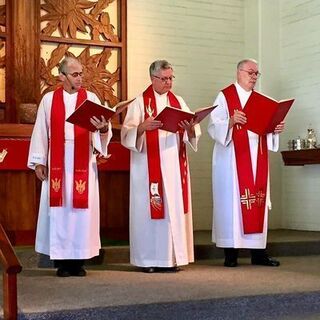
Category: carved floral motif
<point>71,16</point>
<point>2,43</point>
<point>2,57</point>
<point>3,15</point>
<point>96,76</point>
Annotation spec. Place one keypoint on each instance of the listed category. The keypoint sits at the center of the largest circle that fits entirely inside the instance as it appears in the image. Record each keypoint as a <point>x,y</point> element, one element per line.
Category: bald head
<point>70,73</point>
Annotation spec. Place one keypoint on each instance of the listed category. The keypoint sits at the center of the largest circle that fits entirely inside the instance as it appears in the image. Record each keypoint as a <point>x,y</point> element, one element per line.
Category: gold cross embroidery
<point>260,198</point>
<point>247,199</point>
<point>3,154</point>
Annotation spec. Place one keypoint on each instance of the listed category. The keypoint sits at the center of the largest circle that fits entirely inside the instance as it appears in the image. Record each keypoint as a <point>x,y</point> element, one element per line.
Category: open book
<point>264,113</point>
<point>88,109</point>
<point>171,117</point>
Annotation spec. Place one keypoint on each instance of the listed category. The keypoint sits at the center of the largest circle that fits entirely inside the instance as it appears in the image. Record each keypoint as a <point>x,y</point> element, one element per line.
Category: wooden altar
<point>20,189</point>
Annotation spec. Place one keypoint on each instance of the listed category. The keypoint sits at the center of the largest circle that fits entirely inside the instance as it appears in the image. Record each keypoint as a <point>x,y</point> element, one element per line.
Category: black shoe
<point>148,269</point>
<point>176,269</point>
<point>265,261</point>
<point>168,269</point>
<point>79,272</point>
<point>230,257</point>
<point>230,263</point>
<point>63,273</point>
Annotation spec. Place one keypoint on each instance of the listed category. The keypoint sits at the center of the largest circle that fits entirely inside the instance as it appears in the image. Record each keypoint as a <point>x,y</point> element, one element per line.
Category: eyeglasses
<point>165,79</point>
<point>76,74</point>
<point>252,73</point>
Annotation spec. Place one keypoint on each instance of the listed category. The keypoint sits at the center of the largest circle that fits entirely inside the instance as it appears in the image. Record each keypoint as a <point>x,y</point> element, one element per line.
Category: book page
<point>282,110</point>
<point>122,105</point>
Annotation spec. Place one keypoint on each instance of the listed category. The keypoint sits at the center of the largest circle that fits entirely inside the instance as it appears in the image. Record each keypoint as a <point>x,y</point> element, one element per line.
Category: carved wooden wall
<point>35,35</point>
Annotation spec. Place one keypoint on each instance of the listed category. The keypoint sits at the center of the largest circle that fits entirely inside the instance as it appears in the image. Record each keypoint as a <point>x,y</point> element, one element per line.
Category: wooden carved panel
<point>97,78</point>
<point>2,17</point>
<point>94,31</point>
<point>71,16</point>
<point>91,31</point>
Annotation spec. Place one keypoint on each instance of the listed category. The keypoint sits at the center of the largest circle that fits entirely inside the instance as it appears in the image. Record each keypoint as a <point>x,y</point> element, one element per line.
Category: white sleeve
<point>273,141</point>
<point>193,143</point>
<point>218,126</point>
<point>39,144</point>
<point>129,130</point>
<point>100,141</point>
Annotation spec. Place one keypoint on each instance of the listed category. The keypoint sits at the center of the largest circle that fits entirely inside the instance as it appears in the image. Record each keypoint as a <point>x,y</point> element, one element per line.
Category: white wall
<point>300,78</point>
<point>203,40</point>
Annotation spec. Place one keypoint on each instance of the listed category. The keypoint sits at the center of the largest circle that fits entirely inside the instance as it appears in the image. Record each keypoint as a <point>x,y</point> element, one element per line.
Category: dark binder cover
<point>171,117</point>
<point>88,109</point>
<point>264,113</point>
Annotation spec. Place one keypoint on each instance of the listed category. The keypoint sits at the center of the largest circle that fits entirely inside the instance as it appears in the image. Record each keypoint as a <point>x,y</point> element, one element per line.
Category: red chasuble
<point>153,154</point>
<point>81,154</point>
<point>252,193</point>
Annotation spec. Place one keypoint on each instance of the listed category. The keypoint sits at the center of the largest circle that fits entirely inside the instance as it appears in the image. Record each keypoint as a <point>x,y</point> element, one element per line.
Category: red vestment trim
<point>252,193</point>
<point>57,156</point>
<point>153,154</point>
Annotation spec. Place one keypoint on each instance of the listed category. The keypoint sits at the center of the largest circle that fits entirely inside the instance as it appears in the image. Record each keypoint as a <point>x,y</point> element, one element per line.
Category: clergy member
<point>161,235</point>
<point>240,173</point>
<point>63,158</point>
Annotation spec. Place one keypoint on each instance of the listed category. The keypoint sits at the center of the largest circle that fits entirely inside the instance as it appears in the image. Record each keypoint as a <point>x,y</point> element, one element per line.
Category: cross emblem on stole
<point>260,198</point>
<point>247,199</point>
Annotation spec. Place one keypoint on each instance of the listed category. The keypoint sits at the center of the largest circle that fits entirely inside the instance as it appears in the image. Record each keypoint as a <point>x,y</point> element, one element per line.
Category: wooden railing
<point>10,266</point>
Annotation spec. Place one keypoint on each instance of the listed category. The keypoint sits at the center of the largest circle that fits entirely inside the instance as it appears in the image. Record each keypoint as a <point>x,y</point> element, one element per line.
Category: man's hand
<point>189,127</point>
<point>41,172</point>
<point>279,128</point>
<point>148,125</point>
<point>100,124</point>
<point>239,117</point>
<point>102,159</point>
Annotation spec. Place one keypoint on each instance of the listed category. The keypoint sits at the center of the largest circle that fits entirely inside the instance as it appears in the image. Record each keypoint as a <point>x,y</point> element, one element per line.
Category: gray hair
<point>63,66</point>
<point>244,61</point>
<point>159,65</point>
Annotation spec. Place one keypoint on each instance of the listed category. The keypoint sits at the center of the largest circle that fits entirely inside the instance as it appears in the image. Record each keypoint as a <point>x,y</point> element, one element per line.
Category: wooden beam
<point>23,52</point>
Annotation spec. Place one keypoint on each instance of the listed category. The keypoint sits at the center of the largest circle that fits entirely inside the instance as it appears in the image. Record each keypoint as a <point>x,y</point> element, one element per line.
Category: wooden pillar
<point>10,304</point>
<point>23,52</point>
<point>123,39</point>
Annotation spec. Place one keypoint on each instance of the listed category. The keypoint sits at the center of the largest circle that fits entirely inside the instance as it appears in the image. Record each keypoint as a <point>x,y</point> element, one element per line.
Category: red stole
<point>81,154</point>
<point>252,193</point>
<point>153,154</point>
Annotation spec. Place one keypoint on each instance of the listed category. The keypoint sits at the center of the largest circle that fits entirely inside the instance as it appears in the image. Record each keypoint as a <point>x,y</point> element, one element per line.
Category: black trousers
<point>69,264</point>
<point>231,254</point>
